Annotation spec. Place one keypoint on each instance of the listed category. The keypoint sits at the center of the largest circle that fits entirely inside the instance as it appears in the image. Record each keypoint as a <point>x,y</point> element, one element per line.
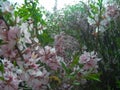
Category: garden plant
<point>75,48</point>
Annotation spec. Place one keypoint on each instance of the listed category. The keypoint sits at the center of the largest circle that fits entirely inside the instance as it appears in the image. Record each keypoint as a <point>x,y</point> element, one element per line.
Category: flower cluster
<point>49,57</point>
<point>112,11</point>
<point>10,79</point>
<point>65,44</point>
<point>89,60</point>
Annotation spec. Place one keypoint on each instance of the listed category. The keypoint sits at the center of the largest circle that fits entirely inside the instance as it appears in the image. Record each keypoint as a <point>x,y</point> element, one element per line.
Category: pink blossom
<point>84,58</point>
<point>59,45</point>
<point>13,33</point>
<point>6,51</point>
<point>112,11</point>
<point>12,37</point>
<point>11,80</point>
<point>89,60</point>
<point>49,57</point>
<point>65,44</point>
<point>3,30</point>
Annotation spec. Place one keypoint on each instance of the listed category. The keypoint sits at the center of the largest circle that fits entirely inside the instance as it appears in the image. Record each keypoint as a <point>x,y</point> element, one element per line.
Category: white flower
<point>36,40</point>
<point>6,7</point>
<point>40,32</point>
<point>52,50</point>
<point>19,71</point>
<point>39,73</point>
<point>24,30</point>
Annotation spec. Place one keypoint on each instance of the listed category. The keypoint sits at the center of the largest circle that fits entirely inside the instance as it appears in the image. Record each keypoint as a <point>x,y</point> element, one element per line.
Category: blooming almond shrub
<point>27,63</point>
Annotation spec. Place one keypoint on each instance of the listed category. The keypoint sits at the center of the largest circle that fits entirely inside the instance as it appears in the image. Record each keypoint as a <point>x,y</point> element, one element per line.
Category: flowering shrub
<point>27,63</point>
<point>96,27</point>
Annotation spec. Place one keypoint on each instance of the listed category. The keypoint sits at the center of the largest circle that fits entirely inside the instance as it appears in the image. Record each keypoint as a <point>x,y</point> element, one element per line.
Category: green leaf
<point>94,9</point>
<point>1,42</point>
<point>64,66</point>
<point>67,70</point>
<point>118,83</point>
<point>1,78</point>
<point>75,61</point>
<point>45,38</point>
<point>93,77</point>
<point>100,3</point>
<point>1,66</point>
<point>76,83</point>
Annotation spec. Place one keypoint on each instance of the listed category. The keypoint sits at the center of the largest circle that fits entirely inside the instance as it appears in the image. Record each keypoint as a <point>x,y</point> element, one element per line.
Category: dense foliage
<point>75,48</point>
